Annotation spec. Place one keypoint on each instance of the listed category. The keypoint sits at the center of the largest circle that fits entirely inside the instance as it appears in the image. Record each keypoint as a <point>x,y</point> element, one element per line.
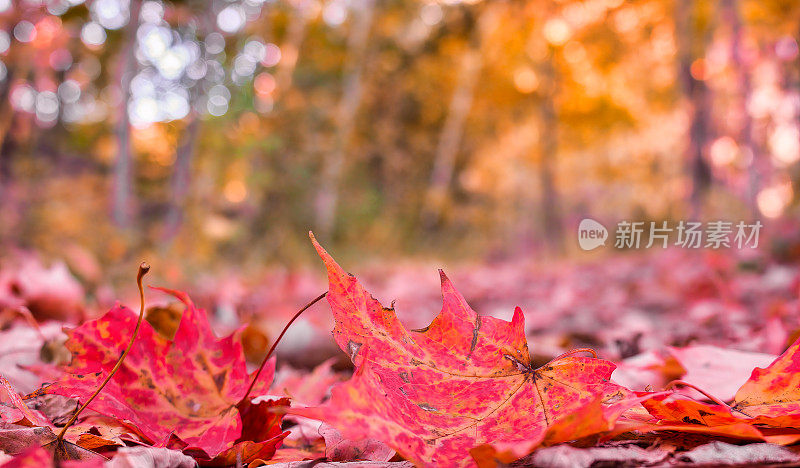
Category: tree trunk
<point>437,194</point>
<point>328,195</point>
<point>697,94</point>
<point>450,137</point>
<point>6,119</point>
<point>552,228</point>
<point>730,12</point>
<point>290,49</point>
<point>181,178</point>
<point>123,165</point>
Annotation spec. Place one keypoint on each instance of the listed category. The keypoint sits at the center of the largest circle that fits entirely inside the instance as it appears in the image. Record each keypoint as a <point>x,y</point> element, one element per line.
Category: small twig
<point>575,351</point>
<point>275,344</point>
<point>143,269</point>
<point>695,387</point>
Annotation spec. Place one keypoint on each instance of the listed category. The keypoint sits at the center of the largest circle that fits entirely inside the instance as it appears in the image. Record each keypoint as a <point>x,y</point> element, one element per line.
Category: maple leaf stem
<point>575,351</point>
<point>275,344</point>
<point>675,383</point>
<point>143,269</point>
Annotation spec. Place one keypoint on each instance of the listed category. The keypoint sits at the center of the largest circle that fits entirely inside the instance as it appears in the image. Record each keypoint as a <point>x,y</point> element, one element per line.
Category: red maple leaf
<point>188,387</point>
<point>464,381</point>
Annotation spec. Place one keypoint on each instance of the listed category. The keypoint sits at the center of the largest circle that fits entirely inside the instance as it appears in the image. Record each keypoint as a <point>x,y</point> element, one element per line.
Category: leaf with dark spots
<point>450,404</point>
<point>772,395</point>
<point>187,387</point>
<point>672,407</point>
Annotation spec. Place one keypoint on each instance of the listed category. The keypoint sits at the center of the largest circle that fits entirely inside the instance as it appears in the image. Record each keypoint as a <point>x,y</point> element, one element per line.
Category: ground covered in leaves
<point>669,359</point>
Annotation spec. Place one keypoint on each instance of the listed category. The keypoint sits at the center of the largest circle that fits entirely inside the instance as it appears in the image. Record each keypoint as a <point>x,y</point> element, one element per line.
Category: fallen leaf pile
<point>465,390</point>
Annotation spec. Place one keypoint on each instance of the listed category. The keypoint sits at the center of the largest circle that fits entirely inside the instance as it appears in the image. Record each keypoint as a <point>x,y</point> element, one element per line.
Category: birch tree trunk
<point>123,165</point>
<point>450,138</point>
<point>327,199</point>
<point>181,180</point>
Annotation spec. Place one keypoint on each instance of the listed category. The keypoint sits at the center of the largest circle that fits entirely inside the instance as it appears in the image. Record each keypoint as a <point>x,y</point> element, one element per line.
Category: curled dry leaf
<point>465,380</point>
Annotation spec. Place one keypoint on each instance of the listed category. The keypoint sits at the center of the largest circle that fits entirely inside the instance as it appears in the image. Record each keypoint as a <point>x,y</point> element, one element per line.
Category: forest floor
<point>706,319</point>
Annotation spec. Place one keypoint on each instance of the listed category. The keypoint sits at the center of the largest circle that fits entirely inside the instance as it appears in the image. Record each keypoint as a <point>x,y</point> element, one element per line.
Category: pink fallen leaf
<point>718,371</point>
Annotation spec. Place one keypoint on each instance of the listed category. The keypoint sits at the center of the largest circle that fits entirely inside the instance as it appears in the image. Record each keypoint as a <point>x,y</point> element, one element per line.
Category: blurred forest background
<point>197,133</point>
